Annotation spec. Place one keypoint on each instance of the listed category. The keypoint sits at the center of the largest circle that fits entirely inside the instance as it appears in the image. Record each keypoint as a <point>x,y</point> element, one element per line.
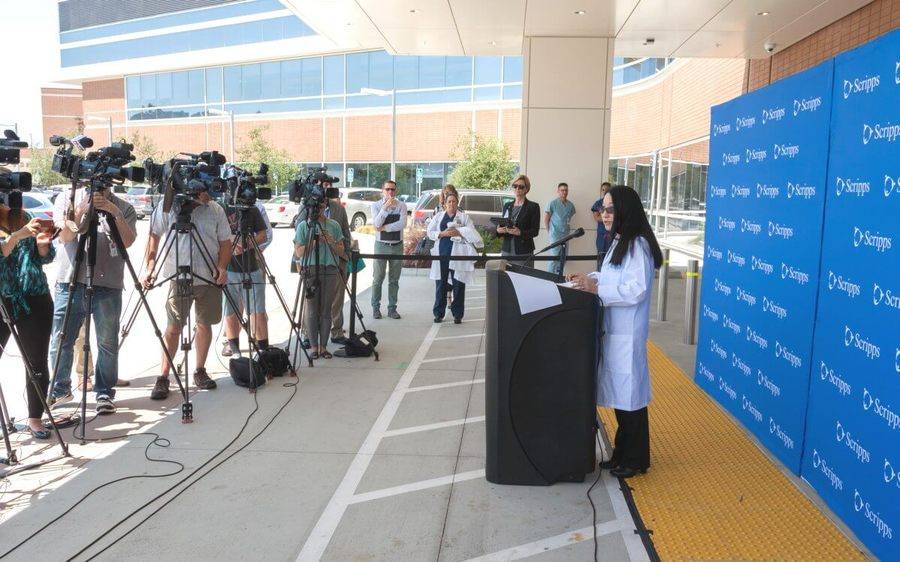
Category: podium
<point>540,395</point>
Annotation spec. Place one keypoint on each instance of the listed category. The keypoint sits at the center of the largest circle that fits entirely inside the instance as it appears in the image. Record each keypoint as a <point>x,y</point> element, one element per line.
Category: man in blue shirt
<point>604,239</point>
<point>556,220</point>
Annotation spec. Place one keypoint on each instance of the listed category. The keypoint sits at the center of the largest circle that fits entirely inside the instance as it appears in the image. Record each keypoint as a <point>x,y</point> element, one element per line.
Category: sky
<point>32,44</point>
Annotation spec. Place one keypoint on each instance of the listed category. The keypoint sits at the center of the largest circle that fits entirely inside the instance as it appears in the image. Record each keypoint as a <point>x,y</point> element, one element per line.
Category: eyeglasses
<point>608,210</point>
<point>390,189</point>
<point>519,186</point>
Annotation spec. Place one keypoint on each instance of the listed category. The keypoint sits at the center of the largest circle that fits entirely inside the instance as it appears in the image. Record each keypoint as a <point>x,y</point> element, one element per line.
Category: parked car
<point>410,201</point>
<point>142,200</point>
<point>38,205</point>
<point>358,202</point>
<point>479,204</point>
<point>282,211</point>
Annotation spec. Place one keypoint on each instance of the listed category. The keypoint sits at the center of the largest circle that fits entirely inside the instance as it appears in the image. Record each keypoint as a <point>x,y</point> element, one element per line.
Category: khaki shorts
<point>207,301</point>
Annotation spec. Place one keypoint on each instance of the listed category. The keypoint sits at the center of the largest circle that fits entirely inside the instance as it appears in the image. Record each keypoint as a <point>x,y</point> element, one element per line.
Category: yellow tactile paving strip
<point>711,494</point>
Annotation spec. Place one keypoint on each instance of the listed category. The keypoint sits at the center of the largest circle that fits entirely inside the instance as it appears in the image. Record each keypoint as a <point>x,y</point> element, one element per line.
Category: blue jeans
<point>106,308</point>
<point>554,266</point>
<point>442,287</point>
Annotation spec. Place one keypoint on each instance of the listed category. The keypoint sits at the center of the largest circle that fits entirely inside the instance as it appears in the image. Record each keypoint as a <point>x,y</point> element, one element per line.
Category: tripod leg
<point>11,458</point>
<point>64,331</point>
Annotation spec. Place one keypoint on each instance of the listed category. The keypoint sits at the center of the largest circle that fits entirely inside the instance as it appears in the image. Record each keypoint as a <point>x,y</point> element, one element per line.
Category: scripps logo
<point>821,465</point>
<point>884,297</point>
<point>864,85</point>
<point>800,191</point>
<point>844,437</point>
<point>756,337</point>
<point>726,224</point>
<point>710,313</point>
<point>776,114</point>
<point>713,253</point>
<point>720,287</point>
<point>855,187</point>
<point>807,104</point>
<point>751,227</point>
<point>828,374</point>
<point>774,308</point>
<point>897,73</point>
<point>718,350</point>
<point>780,434</point>
<point>838,283</point>
<point>792,359</point>
<point>739,364</point>
<point>794,274</point>
<point>765,382</point>
<point>739,192</point>
<point>855,339</point>
<point>724,387</point>
<point>716,192</point>
<point>731,159</point>
<point>755,155</point>
<point>745,296</point>
<point>780,230</point>
<point>706,373</point>
<point>721,129</point>
<point>731,325</point>
<point>757,264</point>
<point>890,475</point>
<point>785,151</point>
<point>874,517</point>
<point>744,123</point>
<point>875,240</point>
<point>734,257</point>
<point>881,410</point>
<point>879,132</point>
<point>748,407</point>
<point>891,185</point>
<point>764,191</point>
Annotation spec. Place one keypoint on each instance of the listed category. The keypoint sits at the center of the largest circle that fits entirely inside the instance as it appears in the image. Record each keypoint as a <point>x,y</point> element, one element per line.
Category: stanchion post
<point>691,301</point>
<point>354,256</point>
<point>662,297</point>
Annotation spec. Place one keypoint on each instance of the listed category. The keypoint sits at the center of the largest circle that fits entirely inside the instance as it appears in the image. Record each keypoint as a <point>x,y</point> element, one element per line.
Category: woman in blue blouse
<point>26,296</point>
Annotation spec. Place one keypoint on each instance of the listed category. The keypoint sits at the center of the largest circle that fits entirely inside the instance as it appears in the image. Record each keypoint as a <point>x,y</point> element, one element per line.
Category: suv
<point>479,204</point>
<point>358,202</point>
<point>142,199</point>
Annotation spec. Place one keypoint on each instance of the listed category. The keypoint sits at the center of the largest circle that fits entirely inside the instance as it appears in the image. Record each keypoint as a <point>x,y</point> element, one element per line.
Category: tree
<point>256,149</point>
<point>144,148</point>
<point>483,164</point>
<point>40,165</point>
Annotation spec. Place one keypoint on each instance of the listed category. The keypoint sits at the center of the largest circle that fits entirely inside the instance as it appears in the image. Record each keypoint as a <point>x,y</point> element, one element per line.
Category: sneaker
<point>105,405</point>
<point>438,319</point>
<point>160,389</point>
<point>457,320</point>
<point>55,398</point>
<point>202,380</point>
<point>376,314</point>
<point>394,314</point>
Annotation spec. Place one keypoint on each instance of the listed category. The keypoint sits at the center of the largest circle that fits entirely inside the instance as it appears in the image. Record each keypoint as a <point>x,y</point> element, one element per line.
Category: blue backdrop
<point>852,453</point>
<point>764,206</point>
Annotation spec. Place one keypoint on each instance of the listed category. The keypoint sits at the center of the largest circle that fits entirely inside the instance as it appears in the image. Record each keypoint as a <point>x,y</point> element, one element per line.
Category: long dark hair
<point>631,223</point>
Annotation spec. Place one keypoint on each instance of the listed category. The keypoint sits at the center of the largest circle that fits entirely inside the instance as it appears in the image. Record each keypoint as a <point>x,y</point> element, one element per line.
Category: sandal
<point>326,355</point>
<point>41,434</point>
<point>314,355</point>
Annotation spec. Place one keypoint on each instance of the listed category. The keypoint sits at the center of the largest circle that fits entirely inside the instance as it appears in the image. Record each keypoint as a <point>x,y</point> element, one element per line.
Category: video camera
<point>107,165</point>
<point>10,146</point>
<point>182,180</point>
<point>242,186</point>
<point>309,191</point>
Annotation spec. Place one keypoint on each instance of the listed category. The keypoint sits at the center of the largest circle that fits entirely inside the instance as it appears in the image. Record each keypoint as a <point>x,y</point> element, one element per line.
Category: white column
<point>566,100</point>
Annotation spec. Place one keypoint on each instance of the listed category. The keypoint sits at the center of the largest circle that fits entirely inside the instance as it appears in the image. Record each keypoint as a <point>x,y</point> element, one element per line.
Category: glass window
<point>250,82</point>
<point>180,88</point>
<point>271,80</point>
<point>479,203</point>
<point>195,86</point>
<point>487,93</point>
<point>164,89</point>
<point>213,84</point>
<point>334,103</point>
<point>133,90</point>
<point>431,72</point>
<point>458,71</point>
<point>406,72</point>
<point>290,78</point>
<point>512,92</point>
<point>336,169</point>
<point>512,69</point>
<point>379,173</point>
<point>148,90</point>
<point>360,173</point>
<point>487,70</point>
<point>232,83</point>
<point>357,72</point>
<point>311,79</point>
<point>334,74</point>
<point>381,70</point>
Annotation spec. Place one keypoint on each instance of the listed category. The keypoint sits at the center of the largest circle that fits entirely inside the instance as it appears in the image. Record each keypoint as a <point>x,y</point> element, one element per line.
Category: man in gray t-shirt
<point>108,283</point>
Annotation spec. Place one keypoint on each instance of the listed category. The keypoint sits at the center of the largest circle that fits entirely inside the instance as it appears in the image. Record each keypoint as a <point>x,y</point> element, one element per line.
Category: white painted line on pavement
<point>458,337</point>
<point>431,426</point>
<point>633,544</point>
<point>417,486</point>
<point>318,539</point>
<point>439,359</point>
<point>444,385</point>
<point>552,543</point>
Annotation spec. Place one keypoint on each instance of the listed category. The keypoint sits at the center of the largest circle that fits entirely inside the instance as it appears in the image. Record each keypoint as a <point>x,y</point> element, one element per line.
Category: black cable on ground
<point>590,499</point>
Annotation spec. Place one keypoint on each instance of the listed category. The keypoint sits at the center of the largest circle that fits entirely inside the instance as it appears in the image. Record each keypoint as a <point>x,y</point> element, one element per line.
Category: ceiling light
<point>762,13</point>
<point>580,12</point>
<point>493,43</point>
<point>649,41</point>
<point>414,11</point>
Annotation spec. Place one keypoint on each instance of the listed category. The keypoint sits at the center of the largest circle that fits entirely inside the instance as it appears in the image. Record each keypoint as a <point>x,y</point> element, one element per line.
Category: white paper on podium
<point>533,293</point>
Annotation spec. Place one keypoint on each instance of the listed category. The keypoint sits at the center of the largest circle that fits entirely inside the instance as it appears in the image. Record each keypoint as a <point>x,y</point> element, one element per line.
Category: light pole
<point>393,94</point>
<point>230,115</point>
<point>107,120</point>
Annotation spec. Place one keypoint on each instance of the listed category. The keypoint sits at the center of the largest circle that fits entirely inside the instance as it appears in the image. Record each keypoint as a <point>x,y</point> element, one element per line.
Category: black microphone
<point>57,140</point>
<point>577,233</point>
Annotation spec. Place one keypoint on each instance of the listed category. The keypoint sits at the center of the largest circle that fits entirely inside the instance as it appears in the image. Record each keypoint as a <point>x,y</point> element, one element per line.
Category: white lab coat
<point>623,377</point>
<point>465,245</point>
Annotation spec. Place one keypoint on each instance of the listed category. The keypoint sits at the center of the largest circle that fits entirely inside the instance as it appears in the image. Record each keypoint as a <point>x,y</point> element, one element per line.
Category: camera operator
<point>320,271</point>
<point>212,230</point>
<point>390,221</point>
<point>108,284</point>
<point>244,262</point>
<point>26,296</point>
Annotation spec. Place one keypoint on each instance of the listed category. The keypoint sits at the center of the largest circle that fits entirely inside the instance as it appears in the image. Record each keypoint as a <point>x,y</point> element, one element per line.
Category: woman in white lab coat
<point>454,234</point>
<point>623,285</point>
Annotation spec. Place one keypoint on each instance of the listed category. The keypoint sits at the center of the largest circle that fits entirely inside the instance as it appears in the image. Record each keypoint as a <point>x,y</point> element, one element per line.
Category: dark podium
<point>540,399</point>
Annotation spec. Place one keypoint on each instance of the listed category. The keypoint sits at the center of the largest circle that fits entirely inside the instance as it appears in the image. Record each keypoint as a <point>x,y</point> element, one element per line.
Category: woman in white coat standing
<point>454,234</point>
<point>623,285</point>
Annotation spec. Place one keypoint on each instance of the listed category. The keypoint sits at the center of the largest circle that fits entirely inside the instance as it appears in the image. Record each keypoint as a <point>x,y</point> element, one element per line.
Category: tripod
<point>86,256</point>
<point>5,422</point>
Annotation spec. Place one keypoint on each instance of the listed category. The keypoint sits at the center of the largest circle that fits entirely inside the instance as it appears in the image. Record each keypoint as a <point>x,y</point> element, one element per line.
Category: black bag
<point>274,361</point>
<point>360,345</point>
<point>239,367</point>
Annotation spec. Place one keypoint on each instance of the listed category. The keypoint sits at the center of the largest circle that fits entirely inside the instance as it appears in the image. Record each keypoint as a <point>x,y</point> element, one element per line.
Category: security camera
<point>770,47</point>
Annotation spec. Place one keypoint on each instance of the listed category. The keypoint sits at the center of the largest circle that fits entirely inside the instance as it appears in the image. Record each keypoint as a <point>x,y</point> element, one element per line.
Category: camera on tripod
<point>12,184</point>
<point>242,186</point>
<point>182,180</point>
<point>311,192</point>
<point>109,165</point>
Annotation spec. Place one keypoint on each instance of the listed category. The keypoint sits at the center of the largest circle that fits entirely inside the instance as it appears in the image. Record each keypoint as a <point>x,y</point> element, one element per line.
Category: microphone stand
<point>564,251</point>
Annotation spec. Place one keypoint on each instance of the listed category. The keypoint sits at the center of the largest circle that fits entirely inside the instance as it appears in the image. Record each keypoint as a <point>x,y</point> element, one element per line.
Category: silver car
<point>38,205</point>
<point>358,202</point>
<point>282,211</point>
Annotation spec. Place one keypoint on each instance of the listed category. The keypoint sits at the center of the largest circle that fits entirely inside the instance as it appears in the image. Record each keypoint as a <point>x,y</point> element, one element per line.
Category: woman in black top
<point>526,219</point>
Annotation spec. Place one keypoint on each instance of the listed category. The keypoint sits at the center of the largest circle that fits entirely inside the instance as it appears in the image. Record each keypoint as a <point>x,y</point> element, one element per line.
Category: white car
<point>282,211</point>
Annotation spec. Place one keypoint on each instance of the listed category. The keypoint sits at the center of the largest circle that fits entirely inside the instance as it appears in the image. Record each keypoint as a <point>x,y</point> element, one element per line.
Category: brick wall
<point>62,111</point>
<point>863,25</point>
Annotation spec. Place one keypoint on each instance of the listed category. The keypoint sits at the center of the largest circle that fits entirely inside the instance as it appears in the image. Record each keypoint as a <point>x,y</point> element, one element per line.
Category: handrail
<point>681,249</point>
